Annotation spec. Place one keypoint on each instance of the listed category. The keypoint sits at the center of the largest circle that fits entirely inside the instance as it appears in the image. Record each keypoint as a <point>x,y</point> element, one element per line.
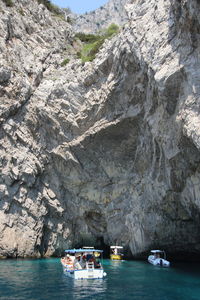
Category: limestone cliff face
<point>104,152</point>
<point>112,12</point>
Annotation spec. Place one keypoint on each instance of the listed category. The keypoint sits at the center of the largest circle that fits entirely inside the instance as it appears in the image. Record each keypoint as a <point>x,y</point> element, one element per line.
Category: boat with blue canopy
<point>83,263</point>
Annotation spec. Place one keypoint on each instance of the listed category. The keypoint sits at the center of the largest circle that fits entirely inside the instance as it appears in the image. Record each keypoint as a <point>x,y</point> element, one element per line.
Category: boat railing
<point>164,254</point>
<point>90,265</point>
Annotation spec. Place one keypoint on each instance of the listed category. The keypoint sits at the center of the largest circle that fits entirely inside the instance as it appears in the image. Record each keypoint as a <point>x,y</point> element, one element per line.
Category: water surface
<point>127,280</point>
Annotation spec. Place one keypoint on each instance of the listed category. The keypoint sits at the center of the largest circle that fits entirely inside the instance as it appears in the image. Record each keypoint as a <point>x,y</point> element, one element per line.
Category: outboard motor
<point>161,262</point>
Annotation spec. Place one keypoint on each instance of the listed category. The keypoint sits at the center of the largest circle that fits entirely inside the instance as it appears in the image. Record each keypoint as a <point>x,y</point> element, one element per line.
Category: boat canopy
<point>82,250</point>
<point>116,247</point>
<point>157,251</point>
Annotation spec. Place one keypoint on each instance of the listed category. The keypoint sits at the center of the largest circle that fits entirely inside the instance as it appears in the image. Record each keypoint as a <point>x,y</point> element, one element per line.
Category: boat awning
<point>157,251</point>
<point>116,247</point>
<point>82,250</point>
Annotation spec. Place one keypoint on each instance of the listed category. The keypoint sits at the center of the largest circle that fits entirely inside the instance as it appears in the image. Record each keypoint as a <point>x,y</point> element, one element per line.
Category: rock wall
<point>106,152</point>
<point>112,12</point>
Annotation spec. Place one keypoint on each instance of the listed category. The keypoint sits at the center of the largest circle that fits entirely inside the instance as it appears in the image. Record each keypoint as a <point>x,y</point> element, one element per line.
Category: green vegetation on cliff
<point>65,62</point>
<point>92,43</point>
<point>50,6</point>
<point>8,2</point>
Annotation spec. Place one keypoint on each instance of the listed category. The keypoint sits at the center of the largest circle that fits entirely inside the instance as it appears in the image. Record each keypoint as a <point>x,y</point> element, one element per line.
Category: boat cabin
<point>117,250</point>
<point>158,254</point>
<point>82,258</point>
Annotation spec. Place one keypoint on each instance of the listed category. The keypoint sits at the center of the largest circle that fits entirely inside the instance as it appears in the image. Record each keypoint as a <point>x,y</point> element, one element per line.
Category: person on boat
<point>97,264</point>
<point>156,255</point>
<point>92,259</point>
<point>68,258</point>
<point>68,261</point>
<point>77,264</point>
<point>83,261</point>
<point>88,257</point>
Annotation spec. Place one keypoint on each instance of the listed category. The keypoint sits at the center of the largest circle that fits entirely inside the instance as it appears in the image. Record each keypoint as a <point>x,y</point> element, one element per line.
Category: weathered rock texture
<point>107,152</point>
<point>112,12</point>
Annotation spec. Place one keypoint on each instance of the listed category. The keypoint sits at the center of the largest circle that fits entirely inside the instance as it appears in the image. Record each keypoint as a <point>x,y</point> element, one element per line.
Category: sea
<point>44,279</point>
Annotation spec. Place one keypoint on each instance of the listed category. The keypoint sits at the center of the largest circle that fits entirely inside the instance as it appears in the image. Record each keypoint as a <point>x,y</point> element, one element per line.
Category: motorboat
<point>82,264</point>
<point>158,258</point>
<point>116,252</point>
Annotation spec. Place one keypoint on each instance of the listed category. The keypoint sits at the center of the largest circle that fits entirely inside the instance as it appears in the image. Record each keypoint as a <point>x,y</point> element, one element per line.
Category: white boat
<point>158,258</point>
<point>82,264</point>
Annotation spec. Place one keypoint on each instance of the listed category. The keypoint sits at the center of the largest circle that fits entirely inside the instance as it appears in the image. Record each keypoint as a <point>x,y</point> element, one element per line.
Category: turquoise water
<point>127,280</point>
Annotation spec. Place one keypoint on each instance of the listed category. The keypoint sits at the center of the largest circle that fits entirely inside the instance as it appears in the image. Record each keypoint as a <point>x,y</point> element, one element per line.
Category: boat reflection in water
<point>115,264</point>
<point>86,288</point>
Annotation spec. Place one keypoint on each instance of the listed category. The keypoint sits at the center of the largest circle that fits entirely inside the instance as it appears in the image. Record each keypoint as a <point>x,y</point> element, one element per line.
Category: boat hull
<point>115,257</point>
<point>86,274</point>
<point>161,262</point>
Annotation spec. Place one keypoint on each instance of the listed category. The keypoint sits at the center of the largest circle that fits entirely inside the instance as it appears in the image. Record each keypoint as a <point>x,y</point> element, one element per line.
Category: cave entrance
<point>96,242</point>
